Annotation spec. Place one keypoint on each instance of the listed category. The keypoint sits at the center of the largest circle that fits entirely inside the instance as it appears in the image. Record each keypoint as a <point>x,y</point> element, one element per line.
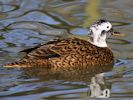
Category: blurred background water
<point>27,23</point>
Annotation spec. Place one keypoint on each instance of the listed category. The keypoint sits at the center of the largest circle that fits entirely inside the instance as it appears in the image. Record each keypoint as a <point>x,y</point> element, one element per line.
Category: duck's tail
<point>16,64</point>
<point>27,63</point>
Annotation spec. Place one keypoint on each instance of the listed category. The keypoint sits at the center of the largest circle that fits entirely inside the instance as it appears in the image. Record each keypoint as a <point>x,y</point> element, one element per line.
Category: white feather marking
<point>98,39</point>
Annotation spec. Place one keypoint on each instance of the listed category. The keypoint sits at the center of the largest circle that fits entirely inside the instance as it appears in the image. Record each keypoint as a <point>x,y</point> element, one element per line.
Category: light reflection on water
<point>26,23</point>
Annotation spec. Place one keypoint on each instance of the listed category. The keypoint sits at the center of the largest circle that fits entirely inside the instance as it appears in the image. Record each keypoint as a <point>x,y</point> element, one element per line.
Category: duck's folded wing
<point>30,49</point>
<point>70,46</point>
<point>55,48</point>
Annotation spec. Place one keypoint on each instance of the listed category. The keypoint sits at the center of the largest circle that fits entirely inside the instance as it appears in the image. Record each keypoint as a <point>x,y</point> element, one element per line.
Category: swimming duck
<point>70,53</point>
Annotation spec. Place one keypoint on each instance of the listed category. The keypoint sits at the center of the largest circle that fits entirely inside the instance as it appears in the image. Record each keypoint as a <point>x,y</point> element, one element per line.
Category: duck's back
<point>65,53</point>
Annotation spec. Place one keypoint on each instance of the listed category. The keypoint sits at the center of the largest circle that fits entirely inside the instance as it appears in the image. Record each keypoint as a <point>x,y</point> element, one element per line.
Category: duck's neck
<point>99,43</point>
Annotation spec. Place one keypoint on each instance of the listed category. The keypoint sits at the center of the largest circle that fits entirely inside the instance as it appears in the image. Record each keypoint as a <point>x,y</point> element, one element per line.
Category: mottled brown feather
<point>64,54</point>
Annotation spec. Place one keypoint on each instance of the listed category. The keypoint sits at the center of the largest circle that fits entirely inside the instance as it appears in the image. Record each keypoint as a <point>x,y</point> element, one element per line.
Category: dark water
<point>26,23</point>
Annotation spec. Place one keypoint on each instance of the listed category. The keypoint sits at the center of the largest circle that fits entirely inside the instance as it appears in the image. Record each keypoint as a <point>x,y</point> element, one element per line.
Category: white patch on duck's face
<point>99,33</point>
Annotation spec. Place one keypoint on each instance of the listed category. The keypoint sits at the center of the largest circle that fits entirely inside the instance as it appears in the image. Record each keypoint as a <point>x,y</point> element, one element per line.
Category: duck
<point>68,54</point>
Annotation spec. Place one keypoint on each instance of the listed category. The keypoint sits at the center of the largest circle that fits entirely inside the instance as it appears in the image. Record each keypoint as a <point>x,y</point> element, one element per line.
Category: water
<point>27,23</point>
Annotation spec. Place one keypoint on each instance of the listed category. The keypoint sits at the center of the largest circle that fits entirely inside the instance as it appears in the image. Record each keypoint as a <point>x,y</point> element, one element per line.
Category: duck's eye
<point>107,26</point>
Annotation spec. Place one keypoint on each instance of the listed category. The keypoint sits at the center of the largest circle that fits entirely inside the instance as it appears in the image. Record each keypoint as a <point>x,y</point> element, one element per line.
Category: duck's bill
<point>115,33</point>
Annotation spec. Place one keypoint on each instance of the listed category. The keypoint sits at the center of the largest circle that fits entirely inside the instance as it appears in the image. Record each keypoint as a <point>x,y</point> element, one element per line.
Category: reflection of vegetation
<point>2,15</point>
<point>84,37</point>
<point>92,12</point>
<point>1,38</point>
<point>120,69</point>
<point>10,44</point>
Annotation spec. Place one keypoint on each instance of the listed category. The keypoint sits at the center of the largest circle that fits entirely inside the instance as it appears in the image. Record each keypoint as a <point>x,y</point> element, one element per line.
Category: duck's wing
<point>56,48</point>
<point>30,49</point>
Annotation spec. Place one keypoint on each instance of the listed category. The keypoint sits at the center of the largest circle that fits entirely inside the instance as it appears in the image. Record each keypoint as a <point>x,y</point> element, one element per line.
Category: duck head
<point>99,31</point>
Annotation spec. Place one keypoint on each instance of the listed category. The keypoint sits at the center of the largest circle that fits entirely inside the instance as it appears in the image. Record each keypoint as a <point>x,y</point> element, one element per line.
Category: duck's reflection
<point>98,87</point>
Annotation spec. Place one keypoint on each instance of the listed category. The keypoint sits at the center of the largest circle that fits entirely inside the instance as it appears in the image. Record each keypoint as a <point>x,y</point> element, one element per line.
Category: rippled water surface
<point>27,23</point>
